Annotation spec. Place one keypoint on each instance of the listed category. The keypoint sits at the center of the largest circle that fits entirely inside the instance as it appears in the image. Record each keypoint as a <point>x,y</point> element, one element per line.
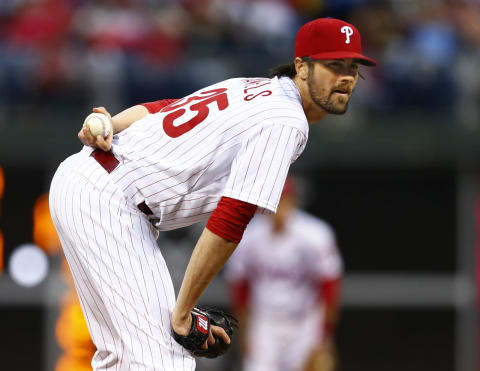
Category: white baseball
<point>98,124</point>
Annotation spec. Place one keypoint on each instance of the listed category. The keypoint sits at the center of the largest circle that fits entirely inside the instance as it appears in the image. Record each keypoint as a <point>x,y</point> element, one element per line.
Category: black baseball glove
<point>201,321</point>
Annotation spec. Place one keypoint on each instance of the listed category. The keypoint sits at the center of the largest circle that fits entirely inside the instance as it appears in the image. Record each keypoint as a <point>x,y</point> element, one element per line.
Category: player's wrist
<point>181,322</point>
<point>115,126</point>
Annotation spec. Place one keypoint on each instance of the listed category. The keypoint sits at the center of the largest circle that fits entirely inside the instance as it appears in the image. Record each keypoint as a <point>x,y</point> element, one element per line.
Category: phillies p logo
<point>348,31</point>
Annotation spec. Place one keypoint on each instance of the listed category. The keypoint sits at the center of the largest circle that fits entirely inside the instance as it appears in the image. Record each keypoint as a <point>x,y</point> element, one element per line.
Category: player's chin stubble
<point>329,104</point>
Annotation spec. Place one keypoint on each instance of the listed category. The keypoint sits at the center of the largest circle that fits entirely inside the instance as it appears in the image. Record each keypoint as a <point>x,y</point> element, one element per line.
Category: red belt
<point>110,163</point>
<point>106,159</point>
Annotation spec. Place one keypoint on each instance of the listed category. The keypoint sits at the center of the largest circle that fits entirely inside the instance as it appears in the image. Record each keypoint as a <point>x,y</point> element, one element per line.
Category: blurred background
<point>396,177</point>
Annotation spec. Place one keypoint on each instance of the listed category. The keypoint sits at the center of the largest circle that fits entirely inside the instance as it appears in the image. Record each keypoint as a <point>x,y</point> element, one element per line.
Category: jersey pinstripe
<point>242,151</point>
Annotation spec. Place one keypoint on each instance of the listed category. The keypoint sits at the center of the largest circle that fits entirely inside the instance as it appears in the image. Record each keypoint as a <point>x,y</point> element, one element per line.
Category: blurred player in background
<point>285,282</point>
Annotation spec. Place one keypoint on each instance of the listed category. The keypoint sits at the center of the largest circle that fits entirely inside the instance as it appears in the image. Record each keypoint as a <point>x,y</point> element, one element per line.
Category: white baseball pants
<point>281,345</point>
<point>122,281</point>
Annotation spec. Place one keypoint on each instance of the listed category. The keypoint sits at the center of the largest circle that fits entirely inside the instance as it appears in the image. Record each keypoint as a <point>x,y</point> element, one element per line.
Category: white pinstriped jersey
<point>236,138</point>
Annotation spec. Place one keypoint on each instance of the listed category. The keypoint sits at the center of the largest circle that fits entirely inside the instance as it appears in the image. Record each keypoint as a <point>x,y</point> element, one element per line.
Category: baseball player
<point>285,278</point>
<point>222,154</point>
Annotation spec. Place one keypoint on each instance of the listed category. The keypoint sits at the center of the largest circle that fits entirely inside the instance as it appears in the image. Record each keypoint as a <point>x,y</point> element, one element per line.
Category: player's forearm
<point>124,119</point>
<point>208,257</point>
<point>332,315</point>
<point>242,315</point>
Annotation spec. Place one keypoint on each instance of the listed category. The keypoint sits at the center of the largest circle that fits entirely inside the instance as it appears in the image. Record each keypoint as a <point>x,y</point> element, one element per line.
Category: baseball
<point>98,124</point>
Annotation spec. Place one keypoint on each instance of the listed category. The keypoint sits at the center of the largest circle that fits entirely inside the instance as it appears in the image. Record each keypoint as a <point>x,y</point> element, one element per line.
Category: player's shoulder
<point>258,224</point>
<point>286,93</point>
<point>257,228</point>
<point>276,100</point>
<point>313,227</point>
<point>269,92</point>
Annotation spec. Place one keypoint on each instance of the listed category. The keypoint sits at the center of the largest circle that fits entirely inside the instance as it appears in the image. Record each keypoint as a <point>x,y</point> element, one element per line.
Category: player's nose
<point>347,79</point>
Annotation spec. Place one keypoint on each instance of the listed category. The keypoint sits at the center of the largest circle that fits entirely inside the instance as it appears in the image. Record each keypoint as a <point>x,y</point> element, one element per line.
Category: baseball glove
<point>201,321</point>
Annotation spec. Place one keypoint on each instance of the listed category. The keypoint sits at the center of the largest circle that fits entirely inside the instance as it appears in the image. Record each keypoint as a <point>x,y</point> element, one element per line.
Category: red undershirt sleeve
<point>240,292</point>
<point>230,218</point>
<point>329,293</point>
<point>154,107</point>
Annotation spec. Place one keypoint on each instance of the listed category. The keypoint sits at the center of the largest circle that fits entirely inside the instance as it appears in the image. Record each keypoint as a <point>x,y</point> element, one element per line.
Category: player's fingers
<point>81,136</point>
<point>211,339</point>
<point>88,136</point>
<point>107,144</point>
<point>102,110</point>
<point>109,138</point>
<point>102,144</point>
<point>221,333</point>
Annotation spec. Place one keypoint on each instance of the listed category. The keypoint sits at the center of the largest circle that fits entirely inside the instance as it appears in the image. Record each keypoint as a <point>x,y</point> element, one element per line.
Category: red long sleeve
<point>329,293</point>
<point>230,218</point>
<point>154,107</point>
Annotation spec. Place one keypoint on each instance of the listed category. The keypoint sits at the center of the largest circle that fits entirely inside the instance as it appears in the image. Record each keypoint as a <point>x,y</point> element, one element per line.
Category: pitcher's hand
<point>88,139</point>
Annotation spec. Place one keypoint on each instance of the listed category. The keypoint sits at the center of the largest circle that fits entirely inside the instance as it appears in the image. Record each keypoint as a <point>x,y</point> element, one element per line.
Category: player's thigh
<point>119,270</point>
<point>68,221</point>
<point>251,364</point>
<point>135,284</point>
<point>306,339</point>
<point>265,347</point>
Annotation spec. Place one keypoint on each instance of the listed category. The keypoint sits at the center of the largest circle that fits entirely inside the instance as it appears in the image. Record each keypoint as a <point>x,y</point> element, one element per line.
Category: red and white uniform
<point>234,139</point>
<point>284,271</point>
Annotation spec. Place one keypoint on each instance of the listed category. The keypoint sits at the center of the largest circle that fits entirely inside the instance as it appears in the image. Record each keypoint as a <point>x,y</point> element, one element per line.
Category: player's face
<point>331,82</point>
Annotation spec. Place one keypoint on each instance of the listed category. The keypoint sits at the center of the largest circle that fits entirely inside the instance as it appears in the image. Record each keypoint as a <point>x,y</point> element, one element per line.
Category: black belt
<point>110,163</point>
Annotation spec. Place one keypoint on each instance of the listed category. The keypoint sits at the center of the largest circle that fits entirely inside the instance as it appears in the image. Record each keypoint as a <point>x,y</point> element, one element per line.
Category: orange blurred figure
<point>73,336</point>
<point>2,182</point>
<point>44,233</point>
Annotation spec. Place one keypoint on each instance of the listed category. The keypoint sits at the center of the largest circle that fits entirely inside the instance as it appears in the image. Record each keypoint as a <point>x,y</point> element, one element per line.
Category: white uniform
<point>284,271</point>
<point>236,138</point>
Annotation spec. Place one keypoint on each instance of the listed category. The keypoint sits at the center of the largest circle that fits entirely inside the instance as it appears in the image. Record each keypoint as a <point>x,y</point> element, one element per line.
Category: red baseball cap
<point>330,38</point>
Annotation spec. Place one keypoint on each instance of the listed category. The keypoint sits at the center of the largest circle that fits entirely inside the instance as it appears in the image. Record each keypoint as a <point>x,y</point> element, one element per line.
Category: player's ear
<point>301,67</point>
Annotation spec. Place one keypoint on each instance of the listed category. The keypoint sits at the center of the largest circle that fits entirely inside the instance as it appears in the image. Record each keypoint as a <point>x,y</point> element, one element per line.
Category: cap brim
<point>343,55</point>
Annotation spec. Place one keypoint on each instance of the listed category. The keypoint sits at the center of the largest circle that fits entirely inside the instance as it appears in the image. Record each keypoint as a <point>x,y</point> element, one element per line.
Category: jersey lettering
<point>218,96</point>
<point>264,93</point>
<point>255,84</point>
